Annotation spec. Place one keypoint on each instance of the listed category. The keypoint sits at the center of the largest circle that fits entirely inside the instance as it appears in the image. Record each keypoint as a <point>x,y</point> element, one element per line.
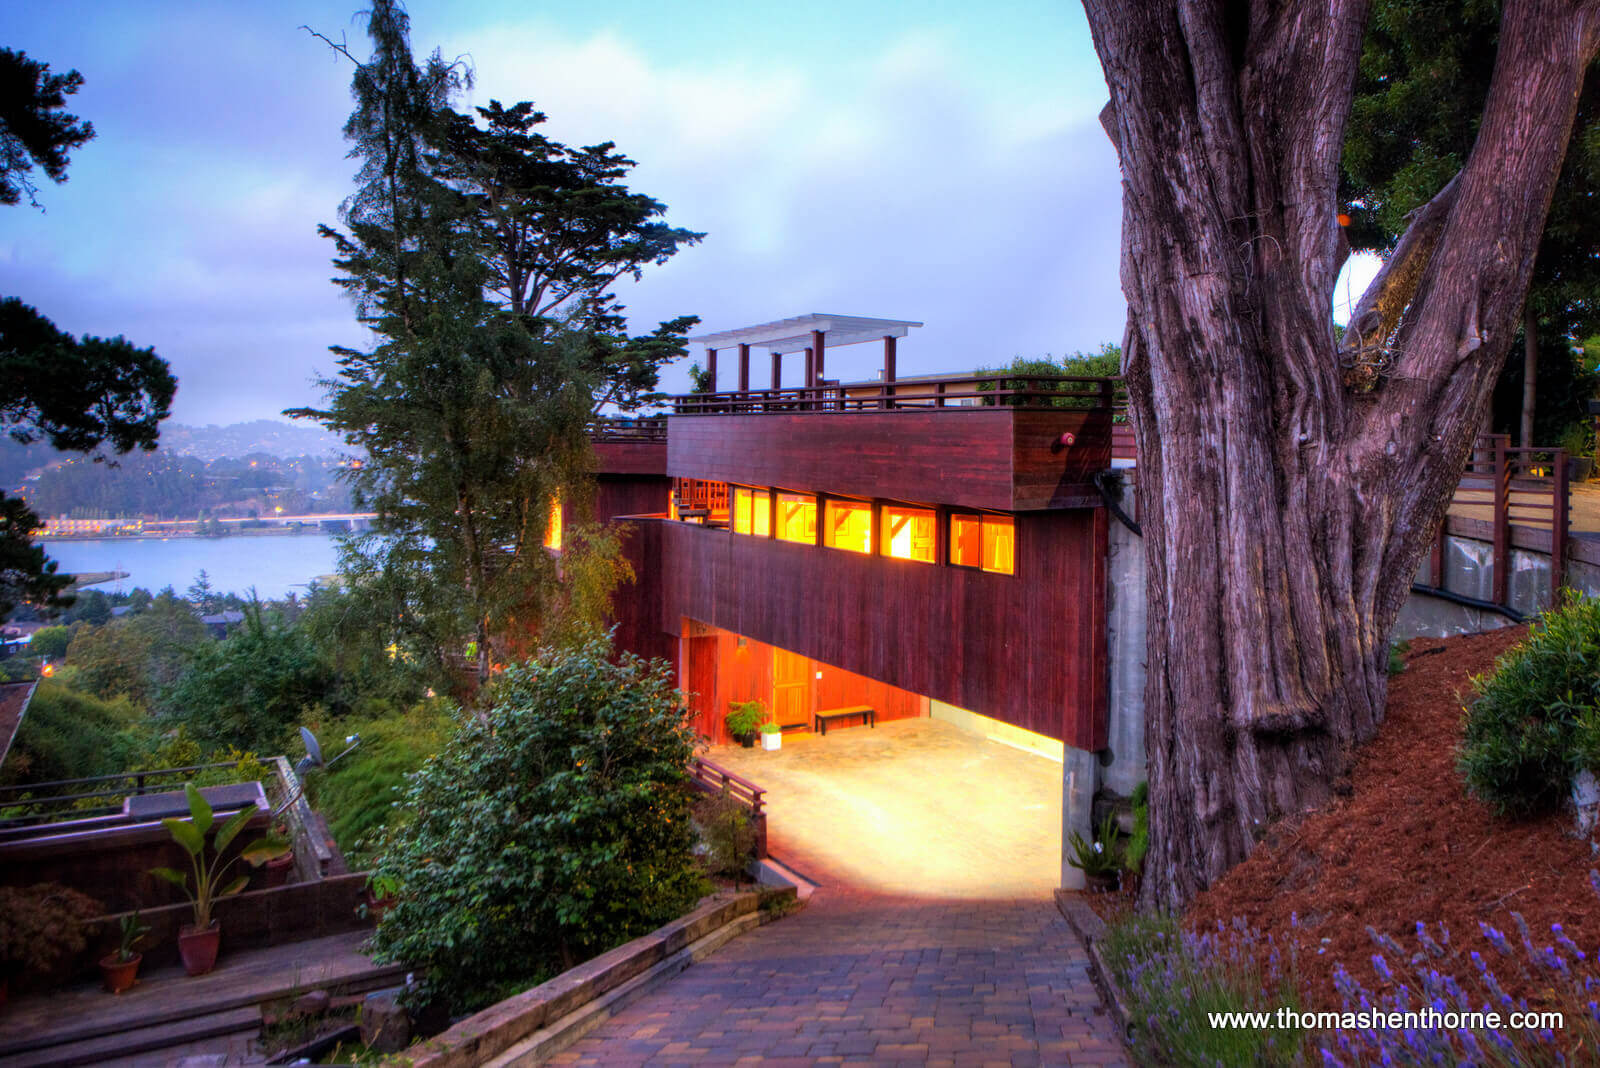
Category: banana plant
<point>191,834</point>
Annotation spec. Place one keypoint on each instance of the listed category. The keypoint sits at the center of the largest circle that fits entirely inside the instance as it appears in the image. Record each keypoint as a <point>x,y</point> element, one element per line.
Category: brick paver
<point>858,978</point>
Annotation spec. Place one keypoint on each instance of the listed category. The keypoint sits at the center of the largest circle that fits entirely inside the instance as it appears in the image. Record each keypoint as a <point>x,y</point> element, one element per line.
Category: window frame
<point>824,527</point>
<point>968,513</point>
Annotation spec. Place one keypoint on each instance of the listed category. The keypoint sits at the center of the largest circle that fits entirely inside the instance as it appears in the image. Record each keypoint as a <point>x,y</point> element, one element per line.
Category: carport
<point>917,807</point>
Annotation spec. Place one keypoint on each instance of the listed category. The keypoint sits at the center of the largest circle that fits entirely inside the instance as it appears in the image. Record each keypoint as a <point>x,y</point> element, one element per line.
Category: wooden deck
<point>85,1025</point>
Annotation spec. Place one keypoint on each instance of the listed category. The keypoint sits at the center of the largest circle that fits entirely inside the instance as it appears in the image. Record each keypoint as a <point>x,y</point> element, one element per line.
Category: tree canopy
<point>1420,89</point>
<point>34,128</point>
<point>481,254</point>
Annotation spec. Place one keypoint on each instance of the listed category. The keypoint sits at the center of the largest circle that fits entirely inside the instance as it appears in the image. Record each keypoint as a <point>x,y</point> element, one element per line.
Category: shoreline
<point>185,535</point>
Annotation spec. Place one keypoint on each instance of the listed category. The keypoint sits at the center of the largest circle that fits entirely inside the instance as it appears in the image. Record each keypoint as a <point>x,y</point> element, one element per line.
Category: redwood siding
<point>630,457</point>
<point>1026,648</point>
<point>642,495</point>
<point>1004,459</point>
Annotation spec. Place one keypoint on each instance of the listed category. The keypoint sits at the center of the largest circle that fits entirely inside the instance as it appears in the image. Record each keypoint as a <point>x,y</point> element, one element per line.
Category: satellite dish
<point>313,750</point>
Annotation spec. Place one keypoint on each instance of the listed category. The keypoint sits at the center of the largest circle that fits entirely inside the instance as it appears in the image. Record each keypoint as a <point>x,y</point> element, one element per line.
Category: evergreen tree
<point>480,257</point>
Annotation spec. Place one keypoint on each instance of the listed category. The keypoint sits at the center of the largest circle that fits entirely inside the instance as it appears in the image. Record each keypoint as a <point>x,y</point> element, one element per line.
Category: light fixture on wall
<point>742,642</point>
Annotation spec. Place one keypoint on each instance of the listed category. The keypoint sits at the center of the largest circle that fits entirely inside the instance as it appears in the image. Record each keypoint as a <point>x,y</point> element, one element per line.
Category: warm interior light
<point>908,533</point>
<point>999,544</point>
<point>849,526</point>
<point>752,512</point>
<point>552,532</point>
<point>797,517</point>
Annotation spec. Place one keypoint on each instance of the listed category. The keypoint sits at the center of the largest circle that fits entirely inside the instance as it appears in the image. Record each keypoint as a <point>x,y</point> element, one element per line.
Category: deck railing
<point>648,429</point>
<point>64,798</point>
<point>1526,486</point>
<point>977,391</point>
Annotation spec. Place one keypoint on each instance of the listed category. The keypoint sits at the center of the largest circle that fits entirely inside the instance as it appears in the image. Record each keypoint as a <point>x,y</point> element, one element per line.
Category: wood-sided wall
<point>1028,649</point>
<point>720,671</point>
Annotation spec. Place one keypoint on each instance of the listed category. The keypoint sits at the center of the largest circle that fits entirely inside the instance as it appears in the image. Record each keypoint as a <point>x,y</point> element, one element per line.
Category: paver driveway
<point>866,974</point>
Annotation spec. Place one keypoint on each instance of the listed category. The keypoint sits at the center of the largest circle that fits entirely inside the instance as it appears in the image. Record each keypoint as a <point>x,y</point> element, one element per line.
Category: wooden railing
<point>711,779</point>
<point>649,429</point>
<point>63,798</point>
<point>1526,486</point>
<point>978,391</point>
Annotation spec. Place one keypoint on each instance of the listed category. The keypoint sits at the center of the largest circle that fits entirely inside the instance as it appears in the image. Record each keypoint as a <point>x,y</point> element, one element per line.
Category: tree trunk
<point>1287,488</point>
<point>1530,375</point>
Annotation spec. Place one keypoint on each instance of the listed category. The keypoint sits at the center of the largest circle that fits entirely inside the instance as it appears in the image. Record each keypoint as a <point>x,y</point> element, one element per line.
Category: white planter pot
<point>771,740</point>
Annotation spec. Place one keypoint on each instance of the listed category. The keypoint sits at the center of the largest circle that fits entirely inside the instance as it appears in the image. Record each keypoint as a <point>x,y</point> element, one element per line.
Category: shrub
<point>40,926</point>
<point>1534,718</point>
<point>1133,853</point>
<point>549,829</point>
<point>744,717</point>
<point>50,642</point>
<point>728,832</point>
<point>68,735</point>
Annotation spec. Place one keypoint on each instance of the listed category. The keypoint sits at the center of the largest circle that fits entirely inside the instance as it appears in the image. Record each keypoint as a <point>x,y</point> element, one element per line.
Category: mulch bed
<point>1409,844</point>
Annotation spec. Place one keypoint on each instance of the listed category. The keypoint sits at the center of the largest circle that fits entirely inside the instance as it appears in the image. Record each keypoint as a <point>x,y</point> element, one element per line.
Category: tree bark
<point>1530,375</point>
<point>1288,488</point>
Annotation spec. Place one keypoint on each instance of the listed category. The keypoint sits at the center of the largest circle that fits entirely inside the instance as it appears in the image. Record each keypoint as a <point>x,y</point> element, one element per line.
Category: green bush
<point>50,642</point>
<point>67,734</point>
<point>1536,720</point>
<point>552,828</point>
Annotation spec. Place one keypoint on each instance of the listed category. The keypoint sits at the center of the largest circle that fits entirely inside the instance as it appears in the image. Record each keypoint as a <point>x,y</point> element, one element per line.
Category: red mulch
<point>1409,844</point>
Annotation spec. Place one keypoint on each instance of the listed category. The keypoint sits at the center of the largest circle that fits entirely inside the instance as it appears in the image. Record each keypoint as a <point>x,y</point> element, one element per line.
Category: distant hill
<point>270,436</point>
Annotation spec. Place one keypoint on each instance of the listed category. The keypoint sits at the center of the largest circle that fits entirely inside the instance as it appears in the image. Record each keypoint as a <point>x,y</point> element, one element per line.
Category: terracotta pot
<point>199,948</point>
<point>277,872</point>
<point>118,974</point>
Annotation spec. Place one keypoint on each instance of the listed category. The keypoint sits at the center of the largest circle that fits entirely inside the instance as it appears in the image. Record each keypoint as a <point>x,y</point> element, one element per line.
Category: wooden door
<point>791,689</point>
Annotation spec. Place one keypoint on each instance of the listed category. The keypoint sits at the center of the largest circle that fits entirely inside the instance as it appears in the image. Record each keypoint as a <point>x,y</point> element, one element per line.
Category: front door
<point>791,689</point>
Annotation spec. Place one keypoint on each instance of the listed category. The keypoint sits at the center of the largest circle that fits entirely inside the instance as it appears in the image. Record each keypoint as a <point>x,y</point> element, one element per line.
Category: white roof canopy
<point>794,335</point>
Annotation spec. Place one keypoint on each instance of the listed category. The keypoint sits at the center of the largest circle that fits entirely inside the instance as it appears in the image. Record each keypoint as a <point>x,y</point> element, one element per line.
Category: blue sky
<point>928,161</point>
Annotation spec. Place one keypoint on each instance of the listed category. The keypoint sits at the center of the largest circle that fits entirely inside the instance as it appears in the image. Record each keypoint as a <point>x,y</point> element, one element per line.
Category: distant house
<point>220,623</point>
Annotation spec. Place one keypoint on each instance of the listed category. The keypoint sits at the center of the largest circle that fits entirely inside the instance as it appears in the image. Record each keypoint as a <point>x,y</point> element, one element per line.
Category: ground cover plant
<point>552,826</point>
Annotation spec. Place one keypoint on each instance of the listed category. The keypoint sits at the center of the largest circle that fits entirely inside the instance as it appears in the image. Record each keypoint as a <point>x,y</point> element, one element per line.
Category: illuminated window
<point>999,545</point>
<point>552,532</point>
<point>987,541</point>
<point>908,533</point>
<point>797,517</point>
<point>752,512</point>
<point>849,526</point>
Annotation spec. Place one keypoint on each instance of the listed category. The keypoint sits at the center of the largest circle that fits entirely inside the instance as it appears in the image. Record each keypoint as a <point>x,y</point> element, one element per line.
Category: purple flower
<point>1381,966</point>
<point>1495,938</point>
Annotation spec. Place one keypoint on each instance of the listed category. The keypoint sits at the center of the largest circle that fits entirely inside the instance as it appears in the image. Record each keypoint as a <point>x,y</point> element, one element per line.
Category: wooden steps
<point>102,1048</point>
<point>164,1005</point>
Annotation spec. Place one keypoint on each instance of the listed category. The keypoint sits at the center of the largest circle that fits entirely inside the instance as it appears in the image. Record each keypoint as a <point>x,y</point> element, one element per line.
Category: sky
<point>932,161</point>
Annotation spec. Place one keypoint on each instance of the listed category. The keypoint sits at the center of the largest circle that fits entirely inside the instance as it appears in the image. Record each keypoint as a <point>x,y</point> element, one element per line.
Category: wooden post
<point>744,371</point>
<point>1437,556</point>
<point>818,344</point>
<point>777,369</point>
<point>1502,521</point>
<point>888,372</point>
<point>811,376</point>
<point>1558,529</point>
<point>711,367</point>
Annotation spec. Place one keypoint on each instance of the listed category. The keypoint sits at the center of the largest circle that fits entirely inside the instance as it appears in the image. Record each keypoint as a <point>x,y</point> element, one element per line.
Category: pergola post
<point>711,368</point>
<point>744,369</point>
<point>888,371</point>
<point>811,377</point>
<point>777,369</point>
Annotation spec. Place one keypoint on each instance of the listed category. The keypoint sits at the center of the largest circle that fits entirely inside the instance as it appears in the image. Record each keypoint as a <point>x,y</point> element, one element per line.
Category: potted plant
<point>1098,860</point>
<point>40,926</point>
<point>198,942</point>
<point>276,871</point>
<point>744,720</point>
<point>120,968</point>
<point>771,736</point>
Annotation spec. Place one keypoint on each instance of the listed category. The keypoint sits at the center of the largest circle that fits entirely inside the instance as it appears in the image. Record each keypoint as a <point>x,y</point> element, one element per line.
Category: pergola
<point>812,334</point>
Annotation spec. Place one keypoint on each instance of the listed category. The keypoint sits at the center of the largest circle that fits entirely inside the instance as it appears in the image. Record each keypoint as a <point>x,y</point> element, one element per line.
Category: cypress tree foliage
<point>482,257</point>
<point>1421,85</point>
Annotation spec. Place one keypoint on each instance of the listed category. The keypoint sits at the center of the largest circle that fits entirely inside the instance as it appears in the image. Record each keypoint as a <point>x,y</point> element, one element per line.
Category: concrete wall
<point>1469,570</point>
<point>997,730</point>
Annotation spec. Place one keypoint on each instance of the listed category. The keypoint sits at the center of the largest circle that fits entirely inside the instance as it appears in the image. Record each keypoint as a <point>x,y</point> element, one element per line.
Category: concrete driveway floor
<point>912,806</point>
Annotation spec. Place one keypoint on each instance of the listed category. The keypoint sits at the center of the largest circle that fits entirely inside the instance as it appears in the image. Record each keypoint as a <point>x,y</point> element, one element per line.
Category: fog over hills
<point>274,437</point>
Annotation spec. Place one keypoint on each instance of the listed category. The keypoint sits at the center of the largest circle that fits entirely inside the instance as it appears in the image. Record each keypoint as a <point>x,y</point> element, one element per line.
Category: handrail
<point>1001,389</point>
<point>648,429</point>
<point>715,779</point>
<point>150,773</point>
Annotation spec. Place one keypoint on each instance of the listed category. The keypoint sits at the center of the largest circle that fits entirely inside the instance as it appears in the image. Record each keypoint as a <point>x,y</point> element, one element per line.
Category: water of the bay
<point>273,564</point>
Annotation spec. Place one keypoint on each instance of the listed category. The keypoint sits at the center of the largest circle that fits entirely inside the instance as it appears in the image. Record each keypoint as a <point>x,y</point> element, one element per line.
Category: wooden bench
<point>866,712</point>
